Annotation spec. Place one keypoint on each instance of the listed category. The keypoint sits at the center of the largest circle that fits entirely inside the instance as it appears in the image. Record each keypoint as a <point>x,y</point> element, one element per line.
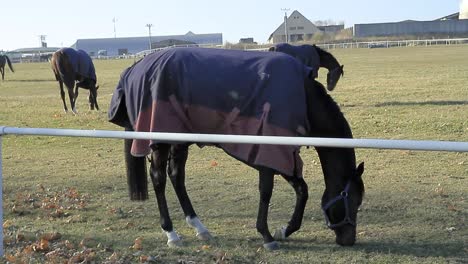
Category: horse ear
<point>271,49</point>
<point>360,169</point>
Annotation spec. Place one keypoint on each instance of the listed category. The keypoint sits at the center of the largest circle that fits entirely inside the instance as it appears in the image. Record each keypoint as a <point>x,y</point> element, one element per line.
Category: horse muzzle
<point>345,235</point>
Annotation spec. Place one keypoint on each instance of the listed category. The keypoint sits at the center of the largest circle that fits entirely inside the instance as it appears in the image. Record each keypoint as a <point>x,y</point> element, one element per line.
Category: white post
<point>1,200</point>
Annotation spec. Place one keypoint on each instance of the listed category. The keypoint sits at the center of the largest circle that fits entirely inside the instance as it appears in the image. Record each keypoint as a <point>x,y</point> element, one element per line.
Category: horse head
<point>340,207</point>
<point>333,76</point>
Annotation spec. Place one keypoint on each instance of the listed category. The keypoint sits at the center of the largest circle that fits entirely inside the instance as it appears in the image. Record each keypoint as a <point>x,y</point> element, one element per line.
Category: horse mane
<point>327,59</point>
<point>331,108</point>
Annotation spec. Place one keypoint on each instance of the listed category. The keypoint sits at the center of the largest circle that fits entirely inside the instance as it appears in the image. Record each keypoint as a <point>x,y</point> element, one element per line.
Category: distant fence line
<point>39,57</point>
<point>395,43</point>
<point>344,45</point>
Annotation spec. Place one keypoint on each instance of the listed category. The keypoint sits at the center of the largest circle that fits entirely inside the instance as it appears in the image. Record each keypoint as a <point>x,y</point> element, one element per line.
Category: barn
<point>297,28</point>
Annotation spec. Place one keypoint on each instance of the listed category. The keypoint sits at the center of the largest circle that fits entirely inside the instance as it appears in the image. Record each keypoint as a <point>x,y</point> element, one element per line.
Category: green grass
<point>415,206</point>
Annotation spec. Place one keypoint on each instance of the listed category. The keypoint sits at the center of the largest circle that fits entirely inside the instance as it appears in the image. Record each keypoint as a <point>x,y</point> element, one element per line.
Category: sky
<point>63,22</point>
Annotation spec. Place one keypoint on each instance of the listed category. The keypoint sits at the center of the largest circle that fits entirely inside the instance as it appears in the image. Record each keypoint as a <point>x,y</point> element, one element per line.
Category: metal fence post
<point>1,200</point>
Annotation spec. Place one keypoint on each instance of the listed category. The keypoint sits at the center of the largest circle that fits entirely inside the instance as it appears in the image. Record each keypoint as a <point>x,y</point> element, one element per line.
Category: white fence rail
<point>395,43</point>
<point>424,145</point>
<point>345,45</point>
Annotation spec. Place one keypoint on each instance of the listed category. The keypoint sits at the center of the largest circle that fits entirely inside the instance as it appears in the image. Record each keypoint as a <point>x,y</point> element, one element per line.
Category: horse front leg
<point>158,175</point>
<point>302,194</point>
<point>266,189</point>
<point>2,71</point>
<point>177,160</point>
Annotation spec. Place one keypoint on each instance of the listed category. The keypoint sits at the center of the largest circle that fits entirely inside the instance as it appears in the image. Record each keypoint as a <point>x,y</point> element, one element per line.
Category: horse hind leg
<point>178,157</point>
<point>62,95</point>
<point>302,195</point>
<point>158,175</point>
<point>93,99</point>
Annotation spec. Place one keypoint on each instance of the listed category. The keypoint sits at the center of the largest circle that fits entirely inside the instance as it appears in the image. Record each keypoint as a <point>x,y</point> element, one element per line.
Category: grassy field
<point>66,198</point>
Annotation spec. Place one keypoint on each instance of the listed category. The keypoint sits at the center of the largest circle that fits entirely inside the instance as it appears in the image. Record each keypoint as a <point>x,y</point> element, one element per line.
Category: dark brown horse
<point>215,91</point>
<point>3,61</point>
<point>74,68</point>
<point>314,57</point>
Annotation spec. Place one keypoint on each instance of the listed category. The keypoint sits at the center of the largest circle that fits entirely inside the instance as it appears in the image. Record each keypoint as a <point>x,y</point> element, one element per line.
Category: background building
<point>452,25</point>
<point>133,45</point>
<point>297,28</point>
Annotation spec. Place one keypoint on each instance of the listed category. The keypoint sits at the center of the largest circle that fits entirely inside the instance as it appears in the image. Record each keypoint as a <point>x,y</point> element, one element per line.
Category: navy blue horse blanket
<point>216,91</point>
<point>307,54</point>
<point>81,64</point>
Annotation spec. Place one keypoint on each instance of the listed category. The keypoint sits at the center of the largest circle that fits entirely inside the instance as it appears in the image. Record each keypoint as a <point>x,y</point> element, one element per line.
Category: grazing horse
<point>4,60</point>
<point>215,91</point>
<point>74,68</point>
<point>314,57</point>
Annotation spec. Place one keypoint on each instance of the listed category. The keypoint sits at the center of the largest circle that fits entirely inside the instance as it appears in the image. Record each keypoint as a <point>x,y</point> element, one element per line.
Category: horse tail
<point>137,179</point>
<point>65,69</point>
<point>9,63</point>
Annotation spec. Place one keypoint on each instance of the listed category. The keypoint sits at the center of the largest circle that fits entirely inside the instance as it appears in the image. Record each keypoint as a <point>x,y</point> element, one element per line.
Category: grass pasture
<point>65,199</point>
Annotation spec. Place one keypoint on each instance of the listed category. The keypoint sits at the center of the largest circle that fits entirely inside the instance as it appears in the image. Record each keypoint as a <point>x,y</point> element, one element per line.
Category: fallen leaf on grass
<point>7,223</point>
<point>69,245</point>
<point>51,236</point>
<point>452,208</point>
<point>43,245</point>
<point>213,163</point>
<point>205,247</point>
<point>138,244</point>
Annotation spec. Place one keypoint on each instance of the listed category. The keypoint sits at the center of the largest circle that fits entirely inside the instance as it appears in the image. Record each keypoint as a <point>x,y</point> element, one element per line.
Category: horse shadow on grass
<point>33,80</point>
<point>453,250</point>
<point>441,103</point>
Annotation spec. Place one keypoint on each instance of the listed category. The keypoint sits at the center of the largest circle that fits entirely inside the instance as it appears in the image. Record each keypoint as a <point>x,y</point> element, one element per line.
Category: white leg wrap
<point>280,234</point>
<point>172,236</point>
<point>197,224</point>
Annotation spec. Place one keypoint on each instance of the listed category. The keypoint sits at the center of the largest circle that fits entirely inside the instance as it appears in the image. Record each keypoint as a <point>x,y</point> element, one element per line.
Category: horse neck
<point>327,60</point>
<point>338,166</point>
<point>327,120</point>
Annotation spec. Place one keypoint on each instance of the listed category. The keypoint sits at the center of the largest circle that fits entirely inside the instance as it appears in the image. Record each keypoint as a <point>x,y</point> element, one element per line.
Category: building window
<point>292,28</point>
<point>123,51</point>
<point>300,27</point>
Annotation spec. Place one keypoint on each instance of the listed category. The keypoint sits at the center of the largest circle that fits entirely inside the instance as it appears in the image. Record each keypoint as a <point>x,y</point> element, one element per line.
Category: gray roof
<point>35,50</point>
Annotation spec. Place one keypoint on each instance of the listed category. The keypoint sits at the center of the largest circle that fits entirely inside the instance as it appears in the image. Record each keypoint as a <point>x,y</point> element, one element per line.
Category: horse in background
<point>314,57</point>
<point>74,68</point>
<point>194,90</point>
<point>5,60</point>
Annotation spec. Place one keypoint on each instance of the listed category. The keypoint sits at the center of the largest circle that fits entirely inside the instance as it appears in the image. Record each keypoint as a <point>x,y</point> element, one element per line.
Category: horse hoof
<point>280,234</point>
<point>271,246</point>
<point>205,236</point>
<point>174,243</point>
